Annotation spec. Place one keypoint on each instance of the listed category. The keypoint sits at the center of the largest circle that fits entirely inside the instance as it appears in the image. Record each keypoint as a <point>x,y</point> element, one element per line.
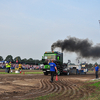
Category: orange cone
<point>23,73</point>
<point>56,78</point>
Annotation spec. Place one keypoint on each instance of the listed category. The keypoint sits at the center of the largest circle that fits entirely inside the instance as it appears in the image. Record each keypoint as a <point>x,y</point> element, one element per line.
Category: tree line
<point>19,60</point>
<point>31,61</point>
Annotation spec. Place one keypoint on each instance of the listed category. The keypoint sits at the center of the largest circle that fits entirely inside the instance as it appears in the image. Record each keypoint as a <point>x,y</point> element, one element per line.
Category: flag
<point>16,61</point>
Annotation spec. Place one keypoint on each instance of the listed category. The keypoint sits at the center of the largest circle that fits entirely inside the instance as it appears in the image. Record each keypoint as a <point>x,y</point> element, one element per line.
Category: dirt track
<point>30,86</point>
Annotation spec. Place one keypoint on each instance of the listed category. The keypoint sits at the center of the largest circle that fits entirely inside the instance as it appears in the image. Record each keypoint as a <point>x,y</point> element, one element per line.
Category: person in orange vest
<point>8,66</point>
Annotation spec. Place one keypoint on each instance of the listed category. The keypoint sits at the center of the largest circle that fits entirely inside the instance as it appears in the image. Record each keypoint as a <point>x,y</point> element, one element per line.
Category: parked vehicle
<point>75,69</point>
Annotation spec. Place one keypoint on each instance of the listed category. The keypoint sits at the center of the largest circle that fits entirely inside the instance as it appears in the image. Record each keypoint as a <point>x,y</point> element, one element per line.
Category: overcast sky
<point>28,28</point>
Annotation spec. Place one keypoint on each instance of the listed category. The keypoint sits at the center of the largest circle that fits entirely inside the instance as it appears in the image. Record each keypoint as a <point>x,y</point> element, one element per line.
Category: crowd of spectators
<point>2,65</point>
<point>24,66</point>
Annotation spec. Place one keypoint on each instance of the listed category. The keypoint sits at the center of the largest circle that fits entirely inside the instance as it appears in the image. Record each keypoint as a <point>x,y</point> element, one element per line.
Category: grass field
<point>46,97</point>
<point>22,73</point>
<point>96,94</point>
<point>2,71</point>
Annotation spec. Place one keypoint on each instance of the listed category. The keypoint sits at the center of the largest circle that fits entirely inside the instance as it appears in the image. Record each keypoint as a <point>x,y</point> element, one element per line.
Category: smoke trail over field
<point>84,47</point>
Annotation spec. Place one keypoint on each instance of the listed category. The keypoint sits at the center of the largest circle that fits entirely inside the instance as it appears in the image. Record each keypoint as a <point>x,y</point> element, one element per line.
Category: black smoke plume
<point>83,47</point>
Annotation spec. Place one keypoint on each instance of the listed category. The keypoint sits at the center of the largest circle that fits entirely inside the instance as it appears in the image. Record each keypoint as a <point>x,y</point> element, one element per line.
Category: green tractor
<point>58,60</point>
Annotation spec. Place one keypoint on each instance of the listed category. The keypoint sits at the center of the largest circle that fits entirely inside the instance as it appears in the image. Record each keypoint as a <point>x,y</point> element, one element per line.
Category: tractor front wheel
<point>45,73</point>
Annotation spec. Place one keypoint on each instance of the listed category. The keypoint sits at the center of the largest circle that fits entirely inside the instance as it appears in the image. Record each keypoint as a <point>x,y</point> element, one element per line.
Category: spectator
<point>96,70</point>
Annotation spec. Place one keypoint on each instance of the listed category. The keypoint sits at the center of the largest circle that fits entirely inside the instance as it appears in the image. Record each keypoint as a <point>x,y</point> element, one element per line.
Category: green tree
<point>18,58</point>
<point>90,65</point>
<point>9,58</point>
<point>95,63</point>
<point>1,58</point>
<point>41,61</point>
<point>36,62</point>
<point>24,60</point>
<point>30,61</point>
